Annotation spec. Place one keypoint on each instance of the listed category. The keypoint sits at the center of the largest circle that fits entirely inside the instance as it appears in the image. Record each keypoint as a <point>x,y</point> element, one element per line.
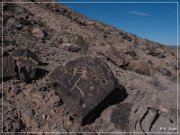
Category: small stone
<point>48,117</point>
<point>55,100</point>
<point>44,116</point>
<point>11,21</point>
<point>150,62</point>
<point>28,115</point>
<point>70,47</point>
<point>52,111</point>
<point>163,109</point>
<point>15,91</point>
<point>37,32</point>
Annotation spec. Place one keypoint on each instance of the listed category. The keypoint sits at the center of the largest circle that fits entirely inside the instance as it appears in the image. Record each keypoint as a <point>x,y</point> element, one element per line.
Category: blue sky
<point>155,21</point>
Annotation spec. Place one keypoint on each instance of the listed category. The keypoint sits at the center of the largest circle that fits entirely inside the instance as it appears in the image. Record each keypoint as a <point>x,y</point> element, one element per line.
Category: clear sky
<point>155,21</point>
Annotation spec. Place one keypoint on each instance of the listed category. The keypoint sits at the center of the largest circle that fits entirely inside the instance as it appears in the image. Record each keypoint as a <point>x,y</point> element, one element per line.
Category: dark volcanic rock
<point>120,116</point>
<point>26,62</point>
<point>87,86</point>
<point>156,52</point>
<point>26,54</point>
<point>165,71</point>
<point>9,66</point>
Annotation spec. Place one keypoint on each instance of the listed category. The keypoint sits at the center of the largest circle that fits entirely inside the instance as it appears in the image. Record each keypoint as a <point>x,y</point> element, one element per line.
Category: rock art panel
<point>87,86</point>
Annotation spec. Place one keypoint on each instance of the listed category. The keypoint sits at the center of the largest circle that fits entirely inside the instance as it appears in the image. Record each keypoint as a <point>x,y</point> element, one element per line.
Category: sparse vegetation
<point>136,42</point>
<point>126,36</point>
<point>161,46</point>
<point>82,43</point>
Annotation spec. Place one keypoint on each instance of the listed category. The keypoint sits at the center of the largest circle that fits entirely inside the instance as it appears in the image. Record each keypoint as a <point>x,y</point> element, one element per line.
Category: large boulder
<point>117,57</point>
<point>87,86</point>
<point>26,62</point>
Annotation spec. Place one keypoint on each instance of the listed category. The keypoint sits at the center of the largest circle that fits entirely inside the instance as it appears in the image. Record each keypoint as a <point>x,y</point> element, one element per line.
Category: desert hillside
<point>63,72</point>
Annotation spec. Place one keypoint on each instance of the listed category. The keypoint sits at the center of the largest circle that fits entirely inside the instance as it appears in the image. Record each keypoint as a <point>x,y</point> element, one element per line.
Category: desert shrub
<point>136,41</point>
<point>134,35</point>
<point>132,53</point>
<point>127,37</point>
<point>161,46</point>
<point>82,43</point>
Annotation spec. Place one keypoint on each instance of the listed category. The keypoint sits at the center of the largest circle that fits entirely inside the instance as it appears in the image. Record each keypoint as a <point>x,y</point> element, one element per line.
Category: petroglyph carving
<point>83,83</point>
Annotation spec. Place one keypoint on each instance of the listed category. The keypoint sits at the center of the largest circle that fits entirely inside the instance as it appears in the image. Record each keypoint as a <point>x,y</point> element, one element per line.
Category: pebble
<point>13,91</point>
<point>28,115</point>
<point>38,33</point>
<point>55,100</point>
<point>44,116</point>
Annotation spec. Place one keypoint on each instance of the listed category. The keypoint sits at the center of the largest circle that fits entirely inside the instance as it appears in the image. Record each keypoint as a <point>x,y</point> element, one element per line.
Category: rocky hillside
<point>53,58</point>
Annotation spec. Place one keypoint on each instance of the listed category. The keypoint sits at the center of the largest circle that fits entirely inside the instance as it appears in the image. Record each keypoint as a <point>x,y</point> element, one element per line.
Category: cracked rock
<point>164,124</point>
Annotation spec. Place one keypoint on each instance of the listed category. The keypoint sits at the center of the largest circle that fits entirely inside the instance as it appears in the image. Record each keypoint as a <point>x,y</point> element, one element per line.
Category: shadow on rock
<point>43,64</point>
<point>40,73</point>
<point>116,96</point>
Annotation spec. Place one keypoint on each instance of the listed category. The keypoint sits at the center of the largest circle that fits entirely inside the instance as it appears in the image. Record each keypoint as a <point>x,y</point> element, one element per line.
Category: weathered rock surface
<point>70,47</point>
<point>156,52</point>
<point>151,120</point>
<point>9,66</point>
<point>120,116</point>
<point>116,56</point>
<point>37,32</point>
<point>28,116</point>
<point>26,62</point>
<point>91,87</point>
<point>139,66</point>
